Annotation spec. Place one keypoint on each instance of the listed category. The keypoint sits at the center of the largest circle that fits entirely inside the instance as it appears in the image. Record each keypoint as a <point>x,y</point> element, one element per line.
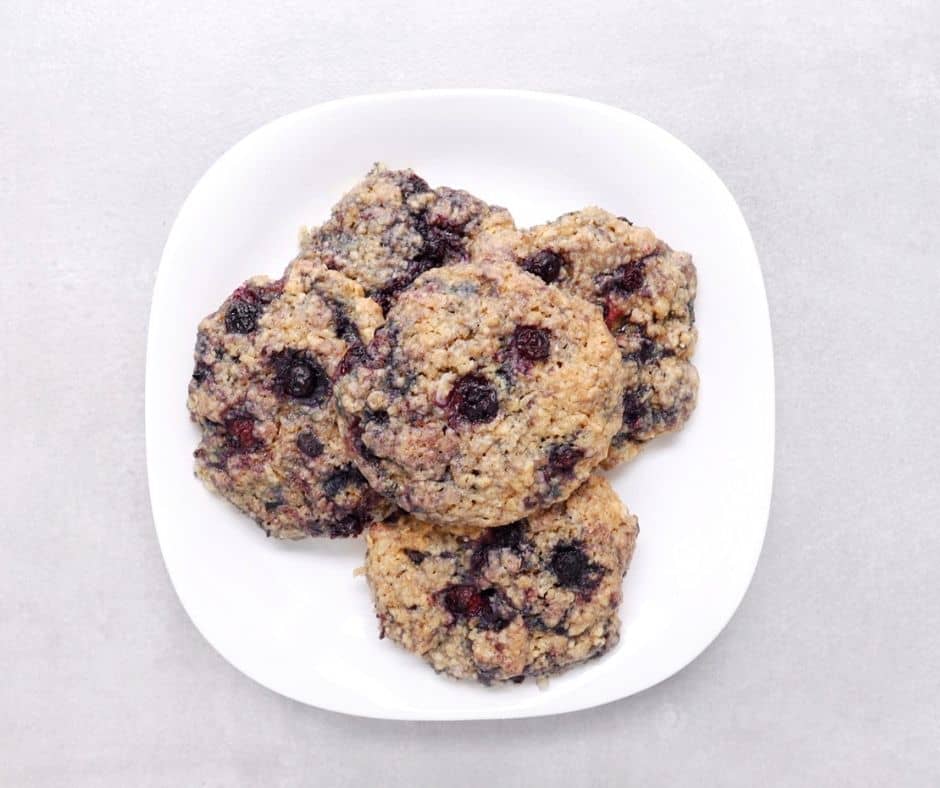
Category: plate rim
<point>150,384</point>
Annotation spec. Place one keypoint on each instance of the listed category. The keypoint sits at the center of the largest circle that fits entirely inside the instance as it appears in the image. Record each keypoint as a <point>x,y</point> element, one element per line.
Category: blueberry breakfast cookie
<point>392,226</point>
<point>646,291</point>
<point>262,393</point>
<point>485,396</point>
<point>496,604</point>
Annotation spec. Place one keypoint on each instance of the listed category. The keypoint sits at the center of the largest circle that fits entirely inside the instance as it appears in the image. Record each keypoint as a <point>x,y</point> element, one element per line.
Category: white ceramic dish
<point>292,616</point>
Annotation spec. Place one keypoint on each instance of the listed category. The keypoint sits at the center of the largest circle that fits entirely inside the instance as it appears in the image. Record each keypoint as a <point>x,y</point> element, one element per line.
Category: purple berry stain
<point>246,303</point>
<point>634,407</point>
<point>299,376</point>
<point>354,356</point>
<point>505,536</point>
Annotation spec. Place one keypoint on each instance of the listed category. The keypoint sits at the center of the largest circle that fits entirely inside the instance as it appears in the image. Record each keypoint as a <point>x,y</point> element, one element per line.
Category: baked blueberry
<point>240,428</point>
<point>573,568</point>
<point>309,445</point>
<point>465,601</point>
<point>241,317</point>
<point>563,459</point>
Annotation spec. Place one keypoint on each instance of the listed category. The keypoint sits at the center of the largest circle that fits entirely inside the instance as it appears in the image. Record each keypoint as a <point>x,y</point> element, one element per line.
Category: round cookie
<point>485,396</point>
<point>526,599</point>
<point>646,291</point>
<point>262,393</point>
<point>391,227</point>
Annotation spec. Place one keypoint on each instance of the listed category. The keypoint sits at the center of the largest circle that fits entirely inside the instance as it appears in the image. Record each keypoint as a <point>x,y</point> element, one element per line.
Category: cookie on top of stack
<point>428,373</point>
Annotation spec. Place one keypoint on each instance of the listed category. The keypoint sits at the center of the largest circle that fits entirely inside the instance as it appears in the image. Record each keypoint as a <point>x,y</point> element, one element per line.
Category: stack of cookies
<point>429,374</point>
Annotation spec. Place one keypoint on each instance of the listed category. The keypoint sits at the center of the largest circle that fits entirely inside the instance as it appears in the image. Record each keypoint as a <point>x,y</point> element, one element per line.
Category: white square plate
<point>291,615</point>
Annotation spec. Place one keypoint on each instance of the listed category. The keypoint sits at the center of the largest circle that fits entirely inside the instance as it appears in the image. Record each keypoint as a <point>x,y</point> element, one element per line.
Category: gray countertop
<point>822,122</point>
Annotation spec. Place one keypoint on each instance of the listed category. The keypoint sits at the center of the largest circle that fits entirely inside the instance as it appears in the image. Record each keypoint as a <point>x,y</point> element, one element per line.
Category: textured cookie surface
<point>262,393</point>
<point>646,291</point>
<point>526,599</point>
<point>485,396</point>
<point>392,226</point>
